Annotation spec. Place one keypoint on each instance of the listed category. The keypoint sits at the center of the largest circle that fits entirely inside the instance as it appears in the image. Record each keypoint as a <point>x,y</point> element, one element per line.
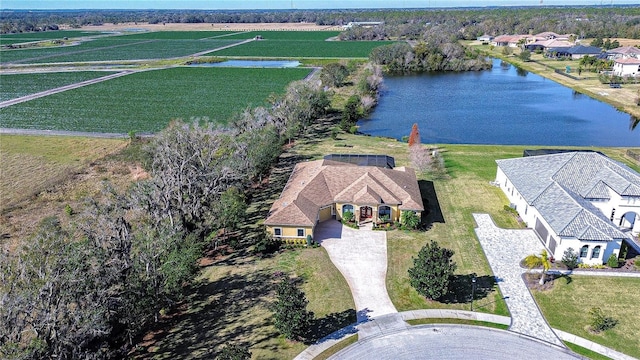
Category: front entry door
<point>366,212</point>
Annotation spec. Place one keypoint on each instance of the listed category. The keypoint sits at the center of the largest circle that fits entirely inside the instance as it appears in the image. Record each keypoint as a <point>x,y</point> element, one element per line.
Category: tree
<point>532,261</point>
<point>351,113</point>
<point>432,270</point>
<point>599,321</point>
<point>506,51</point>
<point>525,55</point>
<point>570,258</point>
<point>414,137</point>
<point>334,74</point>
<point>290,313</point>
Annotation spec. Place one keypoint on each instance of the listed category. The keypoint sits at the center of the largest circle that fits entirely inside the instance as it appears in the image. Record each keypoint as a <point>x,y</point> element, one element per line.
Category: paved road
<point>504,250</point>
<point>452,342</point>
<point>361,257</point>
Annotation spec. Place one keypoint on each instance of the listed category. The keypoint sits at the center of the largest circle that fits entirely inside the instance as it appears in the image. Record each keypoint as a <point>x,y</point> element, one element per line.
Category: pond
<point>253,63</point>
<point>504,105</point>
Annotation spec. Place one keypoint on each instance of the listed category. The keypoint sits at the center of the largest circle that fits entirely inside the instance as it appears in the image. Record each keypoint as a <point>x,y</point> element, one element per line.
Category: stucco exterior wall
<point>626,69</point>
<point>290,231</point>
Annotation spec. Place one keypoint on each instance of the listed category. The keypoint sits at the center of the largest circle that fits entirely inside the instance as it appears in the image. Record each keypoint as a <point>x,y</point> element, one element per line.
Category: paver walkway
<point>505,249</point>
<point>361,257</point>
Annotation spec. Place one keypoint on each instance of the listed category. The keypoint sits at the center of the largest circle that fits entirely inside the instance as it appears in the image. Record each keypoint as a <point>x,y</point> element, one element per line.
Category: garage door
<point>325,214</point>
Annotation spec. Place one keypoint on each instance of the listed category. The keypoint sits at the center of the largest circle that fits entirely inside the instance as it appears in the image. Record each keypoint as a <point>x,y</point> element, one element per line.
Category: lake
<point>504,105</point>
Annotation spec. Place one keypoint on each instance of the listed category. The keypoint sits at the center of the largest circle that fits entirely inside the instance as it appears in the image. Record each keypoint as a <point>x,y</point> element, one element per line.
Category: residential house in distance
<point>508,40</point>
<point>626,60</point>
<point>579,200</point>
<point>485,39</point>
<point>546,45</point>
<point>580,51</point>
<point>322,190</point>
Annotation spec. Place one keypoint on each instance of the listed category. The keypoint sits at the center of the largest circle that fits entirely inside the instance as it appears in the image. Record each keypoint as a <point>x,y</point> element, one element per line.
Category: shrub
<point>334,133</point>
<point>234,352</point>
<point>353,129</point>
<point>309,241</point>
<point>68,210</point>
<point>600,322</point>
<point>613,262</point>
<point>267,245</point>
<point>410,220</point>
<point>347,217</point>
<point>570,258</point>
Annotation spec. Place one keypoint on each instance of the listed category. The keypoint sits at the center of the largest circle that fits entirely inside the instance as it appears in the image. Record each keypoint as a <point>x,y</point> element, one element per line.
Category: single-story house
<point>321,190</point>
<point>485,39</point>
<point>579,200</point>
<point>580,51</point>
<point>623,52</point>
<point>547,44</point>
<point>626,67</point>
<point>508,40</point>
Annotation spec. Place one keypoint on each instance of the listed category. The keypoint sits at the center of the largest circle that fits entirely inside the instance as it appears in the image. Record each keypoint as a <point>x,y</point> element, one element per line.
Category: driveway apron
<point>504,249</point>
<point>361,257</point>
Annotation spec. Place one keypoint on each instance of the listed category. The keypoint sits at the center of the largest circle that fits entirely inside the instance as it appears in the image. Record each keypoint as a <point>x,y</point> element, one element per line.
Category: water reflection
<point>497,106</point>
<point>521,72</point>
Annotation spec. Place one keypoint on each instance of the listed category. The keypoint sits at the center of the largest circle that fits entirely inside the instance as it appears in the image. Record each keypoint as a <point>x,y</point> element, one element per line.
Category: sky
<point>283,4</point>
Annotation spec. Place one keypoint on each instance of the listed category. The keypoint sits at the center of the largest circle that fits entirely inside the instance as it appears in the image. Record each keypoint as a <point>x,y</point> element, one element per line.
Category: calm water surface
<point>503,105</point>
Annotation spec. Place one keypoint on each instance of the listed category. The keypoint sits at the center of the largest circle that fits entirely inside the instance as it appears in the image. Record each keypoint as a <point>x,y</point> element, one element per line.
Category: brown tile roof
<point>628,61</point>
<point>625,50</point>
<point>315,184</point>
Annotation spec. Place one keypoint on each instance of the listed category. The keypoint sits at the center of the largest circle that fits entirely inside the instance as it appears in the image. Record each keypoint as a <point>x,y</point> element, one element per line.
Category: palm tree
<point>543,260</point>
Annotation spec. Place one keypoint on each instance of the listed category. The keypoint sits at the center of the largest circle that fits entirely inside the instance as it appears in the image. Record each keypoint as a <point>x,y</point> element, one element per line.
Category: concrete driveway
<point>361,257</point>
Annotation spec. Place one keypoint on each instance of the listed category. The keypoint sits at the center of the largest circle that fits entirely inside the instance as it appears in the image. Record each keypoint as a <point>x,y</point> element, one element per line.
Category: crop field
<point>288,35</point>
<point>45,35</point>
<point>146,101</point>
<point>303,48</point>
<point>113,48</point>
<point>178,35</point>
<point>18,85</point>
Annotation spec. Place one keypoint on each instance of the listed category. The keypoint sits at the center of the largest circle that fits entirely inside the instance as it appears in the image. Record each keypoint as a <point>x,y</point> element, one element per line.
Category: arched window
<point>347,208</point>
<point>583,251</point>
<point>595,253</point>
<point>384,212</point>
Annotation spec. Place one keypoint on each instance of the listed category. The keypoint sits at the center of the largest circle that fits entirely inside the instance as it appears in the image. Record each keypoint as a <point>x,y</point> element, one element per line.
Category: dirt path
<point>63,88</point>
<point>222,47</point>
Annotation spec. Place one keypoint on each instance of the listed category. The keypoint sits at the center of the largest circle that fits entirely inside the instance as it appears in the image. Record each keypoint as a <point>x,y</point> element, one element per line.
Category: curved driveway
<point>452,342</point>
<point>361,257</point>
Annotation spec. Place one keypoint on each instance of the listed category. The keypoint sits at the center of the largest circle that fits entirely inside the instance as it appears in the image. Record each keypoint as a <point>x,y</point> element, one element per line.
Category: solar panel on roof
<point>383,161</point>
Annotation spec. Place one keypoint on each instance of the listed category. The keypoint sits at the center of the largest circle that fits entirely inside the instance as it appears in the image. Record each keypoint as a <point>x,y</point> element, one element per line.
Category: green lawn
<point>566,307</point>
<point>147,101</point>
<point>18,85</point>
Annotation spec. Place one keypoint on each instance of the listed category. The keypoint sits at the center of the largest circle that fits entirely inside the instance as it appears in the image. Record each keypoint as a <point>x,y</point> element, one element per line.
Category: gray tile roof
<point>559,184</point>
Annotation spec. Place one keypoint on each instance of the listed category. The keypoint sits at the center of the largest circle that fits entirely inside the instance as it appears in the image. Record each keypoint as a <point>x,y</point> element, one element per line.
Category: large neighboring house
<point>626,67</point>
<point>579,200</point>
<point>321,190</point>
<point>545,45</point>
<point>508,40</point>
<point>580,51</point>
<point>624,52</point>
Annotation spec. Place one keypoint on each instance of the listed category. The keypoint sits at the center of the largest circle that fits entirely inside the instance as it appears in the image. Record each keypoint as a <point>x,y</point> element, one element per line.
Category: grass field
<point>31,164</point>
<point>147,101</point>
<point>566,307</point>
<point>17,85</point>
<point>303,48</point>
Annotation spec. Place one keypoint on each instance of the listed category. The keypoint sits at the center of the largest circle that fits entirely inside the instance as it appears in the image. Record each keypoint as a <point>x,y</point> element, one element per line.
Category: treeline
<point>89,282</point>
<point>468,23</point>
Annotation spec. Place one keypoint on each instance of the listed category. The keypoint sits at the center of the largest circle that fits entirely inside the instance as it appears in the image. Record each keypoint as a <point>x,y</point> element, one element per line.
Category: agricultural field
<point>146,101</point>
<point>45,35</point>
<point>113,48</point>
<point>178,35</point>
<point>18,85</point>
<point>288,35</point>
<point>303,48</point>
